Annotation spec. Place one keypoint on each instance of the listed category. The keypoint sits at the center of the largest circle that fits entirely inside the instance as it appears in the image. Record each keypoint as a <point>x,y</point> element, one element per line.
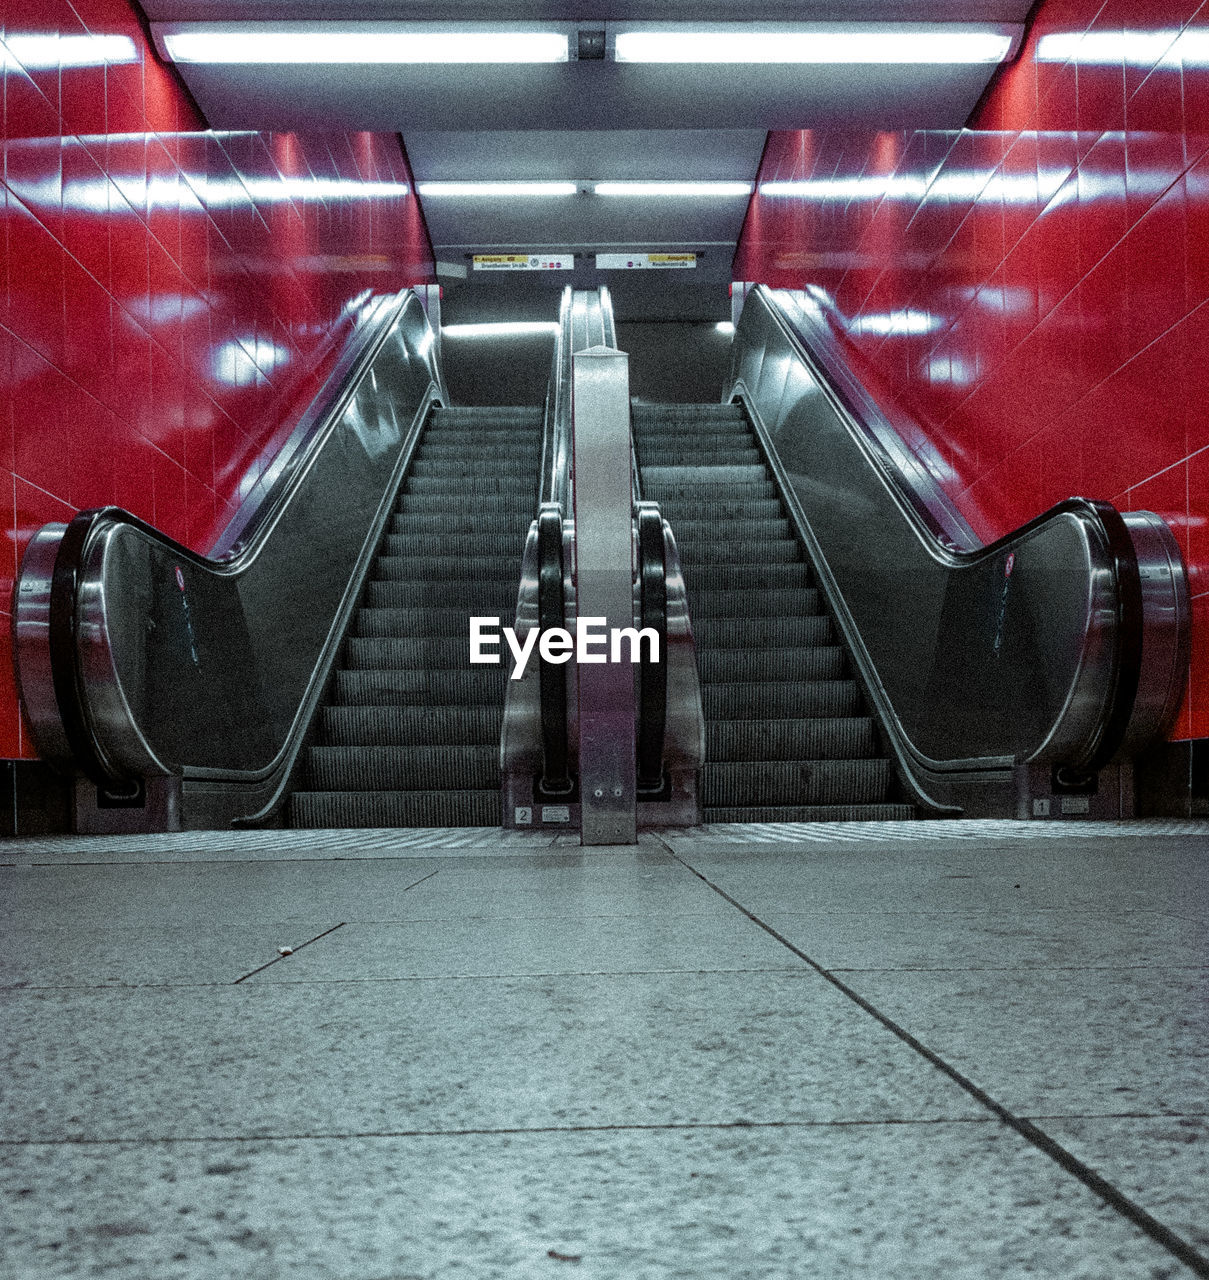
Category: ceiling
<point>585,121</point>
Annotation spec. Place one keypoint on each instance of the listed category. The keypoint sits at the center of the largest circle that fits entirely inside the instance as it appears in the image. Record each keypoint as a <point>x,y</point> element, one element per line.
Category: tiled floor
<point>961,1050</point>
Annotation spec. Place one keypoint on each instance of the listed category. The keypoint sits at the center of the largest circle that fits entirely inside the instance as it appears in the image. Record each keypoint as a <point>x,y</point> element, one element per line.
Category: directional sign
<point>644,261</point>
<point>524,261</point>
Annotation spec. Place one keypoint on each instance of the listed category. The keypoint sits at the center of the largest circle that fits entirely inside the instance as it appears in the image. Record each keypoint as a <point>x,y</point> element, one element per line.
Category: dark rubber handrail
<point>556,775</point>
<point>64,651</point>
<point>652,678</point>
<point>1127,666</point>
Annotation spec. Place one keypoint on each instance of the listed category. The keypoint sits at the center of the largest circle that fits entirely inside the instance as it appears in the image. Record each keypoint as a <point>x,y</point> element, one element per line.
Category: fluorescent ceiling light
<point>500,329</point>
<point>497,188</point>
<point>898,323</point>
<point>50,53</point>
<point>1131,47</point>
<point>344,46</point>
<point>738,46</point>
<point>714,189</point>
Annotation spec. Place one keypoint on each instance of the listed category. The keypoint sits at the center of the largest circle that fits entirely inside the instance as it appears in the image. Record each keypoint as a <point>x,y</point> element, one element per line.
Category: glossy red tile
<point>1073,286</point>
<point>164,320</point>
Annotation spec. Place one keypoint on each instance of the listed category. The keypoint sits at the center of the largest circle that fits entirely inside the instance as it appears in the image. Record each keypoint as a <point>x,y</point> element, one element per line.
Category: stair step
<point>470,545</point>
<point>795,782</point>
<point>743,579</point>
<point>522,506</point>
<point>461,487</point>
<point>448,569</point>
<point>747,699</point>
<point>492,597</point>
<point>433,653</point>
<point>705,603</point>
<point>737,530</point>
<point>411,726</point>
<point>410,624</point>
<point>316,809</point>
<point>426,768</point>
<point>721,549</point>
<point>729,666</point>
<point>847,738</point>
<point>479,686</point>
<point>760,632</point>
<point>812,813</point>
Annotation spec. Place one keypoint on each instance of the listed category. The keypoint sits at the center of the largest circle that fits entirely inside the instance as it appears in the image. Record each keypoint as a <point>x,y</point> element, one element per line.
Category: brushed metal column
<point>604,590</point>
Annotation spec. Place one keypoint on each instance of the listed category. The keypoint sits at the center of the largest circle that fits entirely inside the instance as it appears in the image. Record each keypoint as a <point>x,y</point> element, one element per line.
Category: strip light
<point>708,189</point>
<point>497,188</point>
<point>50,53</point>
<point>316,47</point>
<point>812,46</point>
<point>500,329</point>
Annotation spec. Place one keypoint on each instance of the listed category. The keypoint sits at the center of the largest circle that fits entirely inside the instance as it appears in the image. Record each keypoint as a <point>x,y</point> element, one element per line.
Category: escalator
<point>787,739</point>
<point>409,735</point>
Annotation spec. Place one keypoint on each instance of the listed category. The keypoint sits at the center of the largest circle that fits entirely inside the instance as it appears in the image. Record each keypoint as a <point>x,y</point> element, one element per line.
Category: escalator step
<point>493,597</point>
<point>432,652</point>
<point>448,569</point>
<point>411,726</point>
<point>849,738</point>
<point>488,524</point>
<point>783,603</point>
<point>462,487</point>
<point>489,543</point>
<point>660,413</point>
<point>667,492</point>
<point>744,578</point>
<point>395,808</point>
<point>728,666</point>
<point>471,468</point>
<point>721,549</point>
<point>743,700</point>
<point>723,474</point>
<point>813,813</point>
<point>520,505</point>
<point>802,782</point>
<point>695,447</point>
<point>426,768</point>
<point>737,530</point>
<point>408,624</point>
<point>526,413</point>
<point>480,686</point>
<point>717,508</point>
<point>760,632</point>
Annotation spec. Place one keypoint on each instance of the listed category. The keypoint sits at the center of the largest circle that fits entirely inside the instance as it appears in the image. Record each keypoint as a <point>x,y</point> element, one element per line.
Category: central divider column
<point>604,591</point>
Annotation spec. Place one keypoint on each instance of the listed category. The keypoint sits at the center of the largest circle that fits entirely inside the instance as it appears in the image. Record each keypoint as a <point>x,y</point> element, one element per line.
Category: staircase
<point>786,736</point>
<point>410,736</point>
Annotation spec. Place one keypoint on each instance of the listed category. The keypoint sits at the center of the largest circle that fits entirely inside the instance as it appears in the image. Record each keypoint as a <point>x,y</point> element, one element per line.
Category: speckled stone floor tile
<point>916,1202</point>
<point>572,883</point>
<point>1055,1042</point>
<point>559,945</point>
<point>185,954</point>
<point>1158,874</point>
<point>1160,1162</point>
<point>278,1059</point>
<point>1026,939</point>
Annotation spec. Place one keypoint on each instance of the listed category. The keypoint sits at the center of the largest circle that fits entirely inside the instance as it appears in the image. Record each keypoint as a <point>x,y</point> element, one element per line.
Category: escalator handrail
<point>556,756</point>
<point>109,745</point>
<point>652,676</point>
<point>941,539</point>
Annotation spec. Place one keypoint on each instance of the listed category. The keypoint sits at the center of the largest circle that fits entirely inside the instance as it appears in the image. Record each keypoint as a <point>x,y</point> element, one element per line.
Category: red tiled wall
<point>172,297</point>
<point>1033,289</point>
